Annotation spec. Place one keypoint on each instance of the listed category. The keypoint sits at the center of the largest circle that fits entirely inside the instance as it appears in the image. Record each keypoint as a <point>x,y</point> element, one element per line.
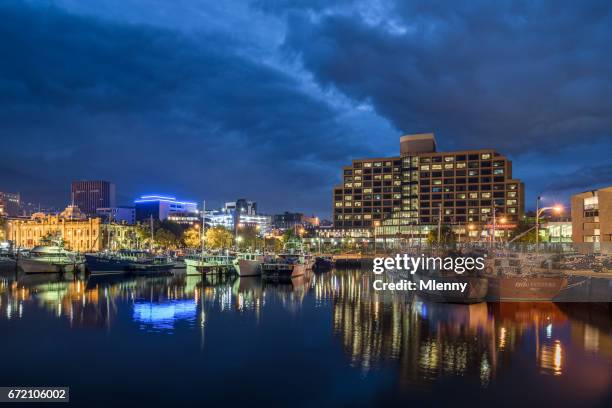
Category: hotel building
<point>405,195</point>
<point>592,221</point>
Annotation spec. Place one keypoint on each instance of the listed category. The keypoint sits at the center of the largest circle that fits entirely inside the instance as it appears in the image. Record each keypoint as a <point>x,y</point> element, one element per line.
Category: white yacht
<point>49,259</point>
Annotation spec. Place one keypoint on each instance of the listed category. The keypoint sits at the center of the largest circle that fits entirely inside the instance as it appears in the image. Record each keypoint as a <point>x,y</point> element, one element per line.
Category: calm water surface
<point>324,340</point>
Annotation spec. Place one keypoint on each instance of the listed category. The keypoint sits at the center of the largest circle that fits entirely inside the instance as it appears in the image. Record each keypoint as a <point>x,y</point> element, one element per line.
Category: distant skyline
<point>267,100</point>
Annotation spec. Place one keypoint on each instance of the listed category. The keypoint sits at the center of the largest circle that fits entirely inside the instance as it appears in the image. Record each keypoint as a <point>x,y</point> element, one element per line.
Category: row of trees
<point>169,235</point>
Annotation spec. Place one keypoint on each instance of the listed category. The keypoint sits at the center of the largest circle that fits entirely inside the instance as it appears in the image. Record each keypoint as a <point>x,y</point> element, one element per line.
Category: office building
<point>89,195</point>
<point>592,221</point>
<point>119,215</point>
<point>404,196</point>
<point>10,204</point>
<point>289,220</point>
<point>238,214</point>
<point>161,207</point>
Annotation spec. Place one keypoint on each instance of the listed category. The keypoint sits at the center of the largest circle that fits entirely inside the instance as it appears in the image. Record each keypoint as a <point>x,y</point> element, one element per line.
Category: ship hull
<point>283,271</point>
<point>104,265</point>
<point>247,267</point>
<point>149,269</point>
<point>525,288</point>
<point>41,266</point>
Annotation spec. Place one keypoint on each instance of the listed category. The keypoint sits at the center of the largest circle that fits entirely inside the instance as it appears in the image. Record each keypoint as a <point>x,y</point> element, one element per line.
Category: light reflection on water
<point>421,342</point>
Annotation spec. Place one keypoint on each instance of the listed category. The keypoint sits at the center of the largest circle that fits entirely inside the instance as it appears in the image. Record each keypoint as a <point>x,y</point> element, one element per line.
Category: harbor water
<point>319,340</point>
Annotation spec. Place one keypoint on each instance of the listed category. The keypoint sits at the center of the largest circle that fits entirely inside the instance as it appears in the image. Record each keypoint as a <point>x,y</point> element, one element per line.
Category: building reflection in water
<point>432,340</point>
<point>424,341</point>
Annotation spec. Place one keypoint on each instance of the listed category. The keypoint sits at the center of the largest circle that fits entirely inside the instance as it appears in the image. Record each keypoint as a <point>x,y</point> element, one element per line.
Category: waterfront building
<point>161,207</point>
<point>78,232</point>
<point>238,214</point>
<point>592,221</point>
<point>289,220</point>
<point>556,232</point>
<point>120,215</point>
<point>407,195</point>
<point>241,206</point>
<point>90,195</point>
<point>10,204</point>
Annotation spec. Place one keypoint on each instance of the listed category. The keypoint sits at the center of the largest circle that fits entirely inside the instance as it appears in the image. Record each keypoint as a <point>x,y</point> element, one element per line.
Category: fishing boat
<point>523,277</point>
<point>49,259</point>
<point>248,263</point>
<point>291,263</point>
<point>151,265</point>
<point>323,263</point>
<point>121,261</point>
<point>205,262</point>
<point>284,266</point>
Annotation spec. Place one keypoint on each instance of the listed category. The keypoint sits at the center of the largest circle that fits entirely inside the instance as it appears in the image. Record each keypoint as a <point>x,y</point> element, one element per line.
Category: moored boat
<point>518,277</point>
<point>284,266</point>
<point>49,259</point>
<point>248,264</point>
<point>153,265</point>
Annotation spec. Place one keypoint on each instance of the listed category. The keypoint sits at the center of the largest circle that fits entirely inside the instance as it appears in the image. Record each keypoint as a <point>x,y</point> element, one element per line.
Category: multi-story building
<point>289,220</point>
<point>77,231</point>
<point>89,195</point>
<point>161,207</point>
<point>126,215</point>
<point>405,196</point>
<point>592,221</point>
<point>10,204</point>
<point>237,214</point>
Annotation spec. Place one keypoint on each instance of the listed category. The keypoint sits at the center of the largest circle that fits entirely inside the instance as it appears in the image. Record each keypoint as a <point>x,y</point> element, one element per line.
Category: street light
<point>555,208</point>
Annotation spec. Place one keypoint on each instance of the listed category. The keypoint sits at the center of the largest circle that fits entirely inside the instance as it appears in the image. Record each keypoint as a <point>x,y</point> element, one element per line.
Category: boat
<point>124,261</point>
<point>204,262</point>
<point>49,259</point>
<point>323,263</point>
<point>151,265</point>
<point>284,266</point>
<point>520,277</point>
<point>248,263</point>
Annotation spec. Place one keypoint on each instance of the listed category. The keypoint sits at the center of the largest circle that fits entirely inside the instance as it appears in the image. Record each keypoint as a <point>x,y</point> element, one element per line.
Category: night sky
<point>266,100</point>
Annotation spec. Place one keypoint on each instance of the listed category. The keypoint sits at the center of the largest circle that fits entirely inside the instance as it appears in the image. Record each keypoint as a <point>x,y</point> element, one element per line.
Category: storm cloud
<point>268,100</point>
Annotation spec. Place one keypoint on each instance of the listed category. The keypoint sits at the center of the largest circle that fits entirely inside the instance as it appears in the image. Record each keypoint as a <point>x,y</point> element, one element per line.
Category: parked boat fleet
<point>56,259</point>
<point>506,277</point>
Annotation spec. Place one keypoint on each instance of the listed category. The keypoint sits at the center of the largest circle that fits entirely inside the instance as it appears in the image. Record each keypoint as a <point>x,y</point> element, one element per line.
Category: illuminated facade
<point>395,194</point>
<point>161,207</point>
<point>78,232</point>
<point>592,221</point>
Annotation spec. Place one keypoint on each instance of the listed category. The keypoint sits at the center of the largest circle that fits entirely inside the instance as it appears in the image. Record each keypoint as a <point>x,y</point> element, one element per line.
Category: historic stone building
<point>78,232</point>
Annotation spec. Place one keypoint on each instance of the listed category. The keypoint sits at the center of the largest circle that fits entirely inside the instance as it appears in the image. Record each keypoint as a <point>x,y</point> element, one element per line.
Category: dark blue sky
<point>268,99</point>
